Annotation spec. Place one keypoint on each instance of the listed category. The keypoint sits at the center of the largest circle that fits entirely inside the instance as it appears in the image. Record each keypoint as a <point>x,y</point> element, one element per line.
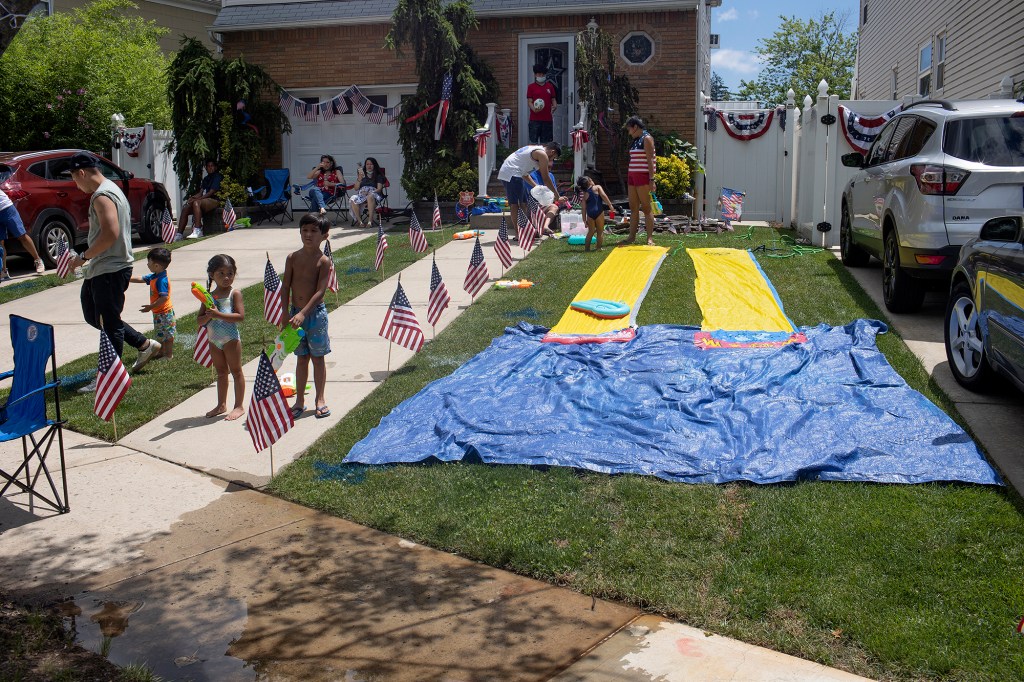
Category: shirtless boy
<point>305,281</point>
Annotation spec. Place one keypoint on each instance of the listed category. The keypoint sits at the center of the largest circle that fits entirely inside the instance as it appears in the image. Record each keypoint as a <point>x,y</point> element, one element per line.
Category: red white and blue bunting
<point>861,131</point>
<point>747,126</point>
<point>337,105</point>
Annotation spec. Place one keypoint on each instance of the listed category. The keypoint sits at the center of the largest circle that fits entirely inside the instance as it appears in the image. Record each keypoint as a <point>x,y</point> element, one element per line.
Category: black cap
<point>540,68</point>
<point>83,160</point>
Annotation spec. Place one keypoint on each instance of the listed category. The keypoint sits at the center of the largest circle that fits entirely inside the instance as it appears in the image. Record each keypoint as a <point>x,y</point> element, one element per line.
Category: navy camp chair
<point>24,414</point>
<point>278,200</point>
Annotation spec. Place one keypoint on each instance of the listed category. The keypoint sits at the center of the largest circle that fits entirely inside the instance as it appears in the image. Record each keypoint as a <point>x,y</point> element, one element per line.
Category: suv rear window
<point>993,141</point>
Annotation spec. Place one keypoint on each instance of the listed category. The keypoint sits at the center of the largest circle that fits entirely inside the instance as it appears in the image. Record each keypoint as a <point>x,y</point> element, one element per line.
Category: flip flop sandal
<point>322,412</point>
<point>297,411</point>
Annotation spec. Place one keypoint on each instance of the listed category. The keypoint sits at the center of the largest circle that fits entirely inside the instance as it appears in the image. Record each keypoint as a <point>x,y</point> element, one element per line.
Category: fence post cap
<point>808,102</point>
<point>790,97</point>
<point>822,88</point>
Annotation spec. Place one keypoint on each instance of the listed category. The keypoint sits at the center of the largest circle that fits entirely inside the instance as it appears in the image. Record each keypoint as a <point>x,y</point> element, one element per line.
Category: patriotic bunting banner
<point>337,105</point>
<point>579,138</point>
<point>861,131</point>
<point>747,126</point>
<point>481,142</point>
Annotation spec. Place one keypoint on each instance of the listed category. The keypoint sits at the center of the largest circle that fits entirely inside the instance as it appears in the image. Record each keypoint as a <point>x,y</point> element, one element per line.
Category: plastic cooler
<point>572,223</point>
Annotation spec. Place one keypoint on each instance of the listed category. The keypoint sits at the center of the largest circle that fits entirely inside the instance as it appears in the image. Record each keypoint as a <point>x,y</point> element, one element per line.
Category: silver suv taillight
<point>941,180</point>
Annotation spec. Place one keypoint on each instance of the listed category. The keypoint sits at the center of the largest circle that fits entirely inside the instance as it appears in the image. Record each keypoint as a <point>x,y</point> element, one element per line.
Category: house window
<point>894,88</point>
<point>940,60</point>
<point>924,69</point>
<point>637,48</point>
<point>864,18</point>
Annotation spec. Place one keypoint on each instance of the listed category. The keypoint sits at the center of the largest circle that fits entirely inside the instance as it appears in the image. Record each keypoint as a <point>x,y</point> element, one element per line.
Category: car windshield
<point>993,141</point>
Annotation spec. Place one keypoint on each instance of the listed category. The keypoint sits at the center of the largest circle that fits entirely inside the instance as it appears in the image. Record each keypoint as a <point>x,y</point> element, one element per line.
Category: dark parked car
<point>51,205</point>
<point>985,314</point>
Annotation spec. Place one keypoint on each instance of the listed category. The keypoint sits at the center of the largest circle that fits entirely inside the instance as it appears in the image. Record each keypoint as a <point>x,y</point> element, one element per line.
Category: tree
<point>209,99</point>
<point>802,53</point>
<point>436,32</point>
<point>17,12</point>
<point>719,92</point>
<point>64,75</point>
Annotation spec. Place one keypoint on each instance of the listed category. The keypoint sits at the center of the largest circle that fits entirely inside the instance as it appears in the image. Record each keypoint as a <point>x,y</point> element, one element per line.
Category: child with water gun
<point>159,304</point>
<point>220,313</point>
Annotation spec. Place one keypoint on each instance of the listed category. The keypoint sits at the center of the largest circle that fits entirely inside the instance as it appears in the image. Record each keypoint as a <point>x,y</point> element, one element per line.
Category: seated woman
<point>369,184</point>
<point>329,181</point>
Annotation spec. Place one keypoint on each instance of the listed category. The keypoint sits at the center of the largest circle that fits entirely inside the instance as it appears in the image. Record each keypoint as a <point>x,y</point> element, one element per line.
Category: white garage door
<point>349,138</point>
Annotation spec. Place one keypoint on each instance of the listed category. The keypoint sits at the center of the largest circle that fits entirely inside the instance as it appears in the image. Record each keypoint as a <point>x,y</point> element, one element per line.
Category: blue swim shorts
<point>317,341</point>
<point>11,226</point>
<point>516,191</point>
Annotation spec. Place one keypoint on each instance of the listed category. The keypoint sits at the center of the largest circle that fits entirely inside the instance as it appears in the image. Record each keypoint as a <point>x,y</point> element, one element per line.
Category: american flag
<point>526,233</point>
<point>376,114</point>
<point>393,114</point>
<point>229,216</point>
<point>435,220</point>
<point>283,101</point>
<point>439,298</point>
<point>112,380</point>
<point>202,352</point>
<point>327,110</point>
<point>310,112</point>
<point>273,311</point>
<point>382,246</point>
<point>269,417</point>
<point>476,275</point>
<point>400,323</point>
<point>332,276</point>
<point>298,107</point>
<point>63,259</point>
<point>167,227</point>
<point>362,104</point>
<point>446,101</point>
<point>416,237</point>
<point>501,244</point>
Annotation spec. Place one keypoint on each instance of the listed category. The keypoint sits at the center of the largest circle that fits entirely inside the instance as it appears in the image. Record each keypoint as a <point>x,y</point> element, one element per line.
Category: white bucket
<point>572,223</point>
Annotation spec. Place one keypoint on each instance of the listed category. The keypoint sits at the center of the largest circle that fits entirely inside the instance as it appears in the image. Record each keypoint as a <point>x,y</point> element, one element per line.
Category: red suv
<point>51,205</point>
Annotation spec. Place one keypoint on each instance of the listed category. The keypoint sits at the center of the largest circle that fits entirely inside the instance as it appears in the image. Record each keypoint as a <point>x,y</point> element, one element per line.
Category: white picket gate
<point>153,162</point>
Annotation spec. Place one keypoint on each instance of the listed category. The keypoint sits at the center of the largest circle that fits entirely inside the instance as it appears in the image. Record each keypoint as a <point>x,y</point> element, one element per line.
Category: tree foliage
<point>719,92</point>
<point>436,33</point>
<point>802,53</point>
<point>204,93</point>
<point>610,98</point>
<point>64,75</point>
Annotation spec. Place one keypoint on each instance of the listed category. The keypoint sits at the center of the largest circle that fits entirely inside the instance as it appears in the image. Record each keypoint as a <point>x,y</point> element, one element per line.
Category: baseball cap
<point>83,160</point>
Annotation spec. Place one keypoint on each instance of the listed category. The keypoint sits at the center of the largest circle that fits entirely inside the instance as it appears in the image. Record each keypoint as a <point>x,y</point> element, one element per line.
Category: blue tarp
<point>829,409</point>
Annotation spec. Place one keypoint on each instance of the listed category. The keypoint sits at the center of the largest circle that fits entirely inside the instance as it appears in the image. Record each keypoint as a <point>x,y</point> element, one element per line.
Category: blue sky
<point>742,23</point>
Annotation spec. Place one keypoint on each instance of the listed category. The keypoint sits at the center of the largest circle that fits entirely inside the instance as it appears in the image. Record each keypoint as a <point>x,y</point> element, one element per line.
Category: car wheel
<point>965,343</point>
<point>900,292</point>
<point>51,234</point>
<point>149,229</point>
<point>852,255</point>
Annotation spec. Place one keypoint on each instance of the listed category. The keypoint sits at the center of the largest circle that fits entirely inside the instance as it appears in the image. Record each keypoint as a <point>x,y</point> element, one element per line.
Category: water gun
<point>599,307</point>
<point>513,284</point>
<point>285,344</point>
<point>468,234</point>
<point>204,296</point>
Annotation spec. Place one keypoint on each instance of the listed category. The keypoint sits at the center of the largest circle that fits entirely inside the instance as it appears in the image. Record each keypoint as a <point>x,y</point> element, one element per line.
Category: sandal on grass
<point>322,412</point>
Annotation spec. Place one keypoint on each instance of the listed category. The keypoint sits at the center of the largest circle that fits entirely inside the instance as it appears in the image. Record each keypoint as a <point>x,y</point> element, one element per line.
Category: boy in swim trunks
<point>160,305</point>
<point>304,285</point>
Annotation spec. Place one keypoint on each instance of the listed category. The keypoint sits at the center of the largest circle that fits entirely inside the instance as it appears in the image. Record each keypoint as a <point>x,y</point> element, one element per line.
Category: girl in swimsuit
<point>222,326</point>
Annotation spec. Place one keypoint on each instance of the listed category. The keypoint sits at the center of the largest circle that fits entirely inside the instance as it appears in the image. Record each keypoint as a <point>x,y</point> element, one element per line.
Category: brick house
<point>315,50</point>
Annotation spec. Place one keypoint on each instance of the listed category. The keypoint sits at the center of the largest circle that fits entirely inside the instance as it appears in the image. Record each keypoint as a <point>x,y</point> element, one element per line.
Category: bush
<point>441,179</point>
<point>672,177</point>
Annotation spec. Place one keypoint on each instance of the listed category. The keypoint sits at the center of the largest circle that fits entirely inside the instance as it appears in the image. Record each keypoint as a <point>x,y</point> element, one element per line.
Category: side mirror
<point>129,175</point>
<point>853,160</point>
<point>1002,229</point>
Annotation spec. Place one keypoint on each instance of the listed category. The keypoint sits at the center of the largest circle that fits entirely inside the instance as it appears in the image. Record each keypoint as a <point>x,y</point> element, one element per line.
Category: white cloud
<point>739,61</point>
<point>728,15</point>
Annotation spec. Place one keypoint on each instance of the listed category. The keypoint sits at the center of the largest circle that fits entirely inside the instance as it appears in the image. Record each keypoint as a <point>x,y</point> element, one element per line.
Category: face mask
<point>541,80</point>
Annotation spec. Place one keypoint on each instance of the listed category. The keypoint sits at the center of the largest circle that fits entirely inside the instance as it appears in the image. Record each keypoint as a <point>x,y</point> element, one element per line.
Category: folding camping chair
<point>277,197</point>
<point>24,413</point>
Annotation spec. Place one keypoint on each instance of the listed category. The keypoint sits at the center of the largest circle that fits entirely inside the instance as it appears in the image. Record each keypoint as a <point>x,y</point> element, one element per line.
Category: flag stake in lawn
<point>439,298</point>
<point>269,417</point>
<point>382,246</point>
<point>501,247</point>
<point>400,324</point>
<point>332,275</point>
<point>476,275</point>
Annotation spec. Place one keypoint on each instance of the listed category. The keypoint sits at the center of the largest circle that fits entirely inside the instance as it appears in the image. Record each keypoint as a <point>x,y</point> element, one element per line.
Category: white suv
<point>936,172</point>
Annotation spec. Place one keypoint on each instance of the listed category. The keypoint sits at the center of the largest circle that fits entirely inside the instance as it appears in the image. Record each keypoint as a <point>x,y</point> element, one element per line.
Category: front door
<point>557,53</point>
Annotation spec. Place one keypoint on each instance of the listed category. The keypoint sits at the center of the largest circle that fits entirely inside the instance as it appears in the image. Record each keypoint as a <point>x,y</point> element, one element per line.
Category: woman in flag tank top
<point>640,179</point>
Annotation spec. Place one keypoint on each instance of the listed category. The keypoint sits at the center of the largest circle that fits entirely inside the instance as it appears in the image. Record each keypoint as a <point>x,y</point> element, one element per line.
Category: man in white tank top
<point>515,174</point>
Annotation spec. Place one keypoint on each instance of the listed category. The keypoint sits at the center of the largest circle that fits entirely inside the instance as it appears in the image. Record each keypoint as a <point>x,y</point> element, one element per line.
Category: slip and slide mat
<point>745,397</point>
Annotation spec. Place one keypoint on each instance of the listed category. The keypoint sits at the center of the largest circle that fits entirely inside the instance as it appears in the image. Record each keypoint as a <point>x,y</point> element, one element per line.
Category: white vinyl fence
<point>151,160</point>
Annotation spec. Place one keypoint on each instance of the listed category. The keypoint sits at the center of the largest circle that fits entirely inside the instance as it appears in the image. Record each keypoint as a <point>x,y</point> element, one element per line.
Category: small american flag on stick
<point>229,216</point>
<point>439,298</point>
<point>382,246</point>
<point>526,233</point>
<point>167,230</point>
<point>476,275</point>
<point>112,380</point>
<point>332,276</point>
<point>269,417</point>
<point>201,354</point>
<point>435,220</point>
<point>501,246</point>
<point>400,323</point>
<point>63,258</point>
<point>417,239</point>
<point>273,311</point>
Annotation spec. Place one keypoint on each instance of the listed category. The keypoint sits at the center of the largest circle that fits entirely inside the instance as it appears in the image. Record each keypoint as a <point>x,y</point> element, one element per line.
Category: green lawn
<point>889,581</point>
<point>33,285</point>
<point>165,383</point>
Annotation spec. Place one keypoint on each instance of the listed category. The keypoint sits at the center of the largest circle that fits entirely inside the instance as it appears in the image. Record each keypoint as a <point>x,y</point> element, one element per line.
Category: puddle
<point>356,270</point>
<point>346,473</point>
<point>132,630</point>
<point>528,313</point>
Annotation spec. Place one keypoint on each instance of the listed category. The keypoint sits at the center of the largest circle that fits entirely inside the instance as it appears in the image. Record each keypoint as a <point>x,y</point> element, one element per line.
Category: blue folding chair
<point>278,199</point>
<point>24,414</point>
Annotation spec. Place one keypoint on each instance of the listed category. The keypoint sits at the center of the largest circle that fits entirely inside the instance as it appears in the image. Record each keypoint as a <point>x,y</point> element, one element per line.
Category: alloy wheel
<point>967,348</point>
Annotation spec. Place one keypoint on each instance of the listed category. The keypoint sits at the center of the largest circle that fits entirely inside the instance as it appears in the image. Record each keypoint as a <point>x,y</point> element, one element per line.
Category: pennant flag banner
<point>337,105</point>
<point>749,126</point>
<point>861,131</point>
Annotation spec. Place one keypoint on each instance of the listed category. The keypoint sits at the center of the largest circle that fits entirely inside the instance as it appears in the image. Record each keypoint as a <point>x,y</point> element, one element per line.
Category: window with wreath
<point>637,48</point>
